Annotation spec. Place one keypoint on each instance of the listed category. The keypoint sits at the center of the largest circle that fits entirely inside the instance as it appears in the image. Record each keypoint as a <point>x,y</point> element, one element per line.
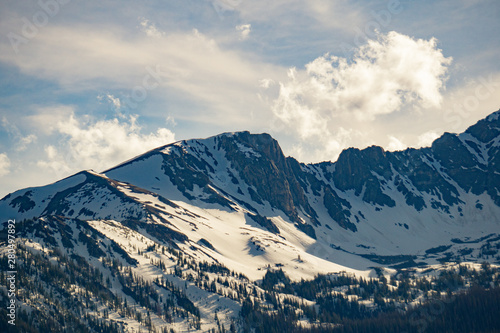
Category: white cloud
<point>333,94</point>
<point>384,75</point>
<point>244,30</point>
<point>99,145</point>
<point>395,144</point>
<point>426,139</point>
<point>265,83</point>
<point>150,29</point>
<point>4,165</point>
<point>115,101</point>
<point>170,120</point>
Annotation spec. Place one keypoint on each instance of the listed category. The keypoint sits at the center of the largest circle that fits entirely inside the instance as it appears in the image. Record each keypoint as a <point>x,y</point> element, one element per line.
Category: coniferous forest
<point>61,291</point>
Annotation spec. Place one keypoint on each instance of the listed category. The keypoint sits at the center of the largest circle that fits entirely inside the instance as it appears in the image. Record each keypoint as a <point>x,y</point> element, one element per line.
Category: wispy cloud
<point>190,63</point>
<point>395,144</point>
<point>426,139</point>
<point>115,101</point>
<point>21,142</point>
<point>45,120</point>
<point>244,30</point>
<point>150,29</point>
<point>99,144</point>
<point>4,165</point>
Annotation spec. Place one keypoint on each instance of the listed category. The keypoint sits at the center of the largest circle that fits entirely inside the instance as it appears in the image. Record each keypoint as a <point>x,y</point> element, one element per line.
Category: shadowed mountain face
<point>368,203</point>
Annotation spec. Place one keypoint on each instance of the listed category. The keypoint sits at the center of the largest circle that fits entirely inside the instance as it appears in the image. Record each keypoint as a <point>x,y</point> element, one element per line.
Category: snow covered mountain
<point>368,206</point>
<point>235,200</point>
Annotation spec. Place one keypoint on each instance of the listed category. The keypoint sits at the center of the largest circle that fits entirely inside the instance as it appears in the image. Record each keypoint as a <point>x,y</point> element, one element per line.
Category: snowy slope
<point>409,203</point>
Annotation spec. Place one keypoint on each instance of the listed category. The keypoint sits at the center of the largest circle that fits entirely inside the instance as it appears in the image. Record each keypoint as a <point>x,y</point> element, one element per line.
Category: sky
<point>89,84</point>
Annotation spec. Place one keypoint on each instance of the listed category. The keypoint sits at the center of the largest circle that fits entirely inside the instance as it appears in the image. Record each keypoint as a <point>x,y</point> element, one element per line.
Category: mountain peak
<point>486,129</point>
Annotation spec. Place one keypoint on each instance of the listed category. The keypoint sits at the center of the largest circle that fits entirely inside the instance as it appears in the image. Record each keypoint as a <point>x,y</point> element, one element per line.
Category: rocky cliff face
<point>265,169</point>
